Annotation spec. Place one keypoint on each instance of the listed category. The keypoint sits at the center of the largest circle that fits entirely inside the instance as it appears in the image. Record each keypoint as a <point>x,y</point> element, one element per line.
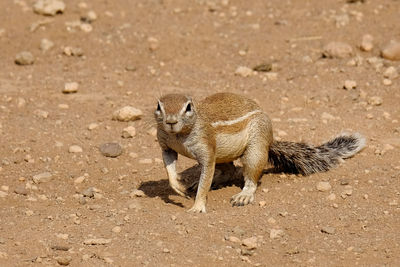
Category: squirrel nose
<point>171,121</point>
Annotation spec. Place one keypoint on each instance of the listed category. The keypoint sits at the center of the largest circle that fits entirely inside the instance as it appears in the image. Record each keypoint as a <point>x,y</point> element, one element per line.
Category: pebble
<point>46,44</point>
<point>375,101</point>
<point>387,82</point>
<point>367,43</point>
<point>41,113</point>
<point>49,7</point>
<point>349,84</point>
<point>86,27</point>
<point>327,116</point>
<point>324,186</point>
<point>262,203</point>
<point>89,192</point>
<point>79,180</point>
<point>70,87</point>
<point>21,190</point>
<point>271,220</point>
<point>234,239</point>
<point>391,51</point>
<point>116,229</point>
<point>391,73</point>
<point>250,243</point>
<point>96,241</point>
<point>92,126</point>
<point>127,113</point>
<point>137,193</point>
<point>43,177</point>
<point>275,233</point>
<point>111,150</point>
<point>243,71</point>
<point>331,197</point>
<point>154,44</point>
<point>3,194</point>
<point>73,51</point>
<point>91,15</point>
<point>63,260</point>
<point>337,50</point>
<point>24,58</point>
<point>75,149</point>
<point>328,230</point>
<point>129,132</point>
<point>145,161</point>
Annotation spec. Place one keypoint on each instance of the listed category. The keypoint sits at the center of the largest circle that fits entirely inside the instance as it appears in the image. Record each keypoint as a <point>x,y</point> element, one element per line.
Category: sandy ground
<point>135,51</point>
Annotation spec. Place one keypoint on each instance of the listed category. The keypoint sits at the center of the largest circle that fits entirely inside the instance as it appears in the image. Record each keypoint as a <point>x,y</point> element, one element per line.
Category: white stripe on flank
<point>231,122</point>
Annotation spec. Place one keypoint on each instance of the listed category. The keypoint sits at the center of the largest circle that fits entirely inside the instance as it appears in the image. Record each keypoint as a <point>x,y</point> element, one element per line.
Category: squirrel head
<point>175,114</point>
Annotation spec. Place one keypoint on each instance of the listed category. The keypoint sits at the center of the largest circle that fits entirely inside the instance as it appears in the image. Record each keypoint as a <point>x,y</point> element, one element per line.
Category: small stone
<point>328,230</point>
<point>331,197</point>
<point>375,101</point>
<point>86,27</point>
<point>367,43</point>
<point>391,51</point>
<point>250,243</point>
<point>96,241</point>
<point>91,15</point>
<point>153,43</point>
<point>63,260</point>
<point>63,106</point>
<point>21,102</point>
<point>349,84</point>
<point>24,58</point>
<point>73,51</point>
<point>111,150</point>
<point>89,192</point>
<point>391,73</point>
<point>275,233</point>
<point>21,190</point>
<point>327,116</point>
<point>387,82</point>
<point>133,155</point>
<point>127,113</point>
<point>165,250</point>
<point>263,67</point>
<point>137,193</point>
<point>71,87</point>
<point>3,194</point>
<point>129,132</point>
<point>324,186</point>
<point>243,71</point>
<point>234,239</point>
<point>337,50</point>
<point>5,187</point>
<point>79,180</point>
<point>46,44</point>
<point>145,161</point>
<point>41,113</point>
<point>116,229</point>
<point>42,177</point>
<point>152,131</point>
<point>75,149</point>
<point>262,203</point>
<point>92,126</point>
<point>49,7</point>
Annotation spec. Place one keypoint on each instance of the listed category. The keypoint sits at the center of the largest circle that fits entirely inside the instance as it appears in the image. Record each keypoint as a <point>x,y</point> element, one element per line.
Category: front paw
<point>198,208</point>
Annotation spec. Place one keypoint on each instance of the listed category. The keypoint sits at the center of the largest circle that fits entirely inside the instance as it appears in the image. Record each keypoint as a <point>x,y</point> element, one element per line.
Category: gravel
<point>128,132</point>
<point>328,230</point>
<point>243,71</point>
<point>127,113</point>
<point>46,44</point>
<point>391,51</point>
<point>75,149</point>
<point>49,7</point>
<point>70,87</point>
<point>24,58</point>
<point>111,150</point>
<point>96,241</point>
<point>21,190</point>
<point>337,50</point>
<point>250,243</point>
<point>43,177</point>
<point>367,43</point>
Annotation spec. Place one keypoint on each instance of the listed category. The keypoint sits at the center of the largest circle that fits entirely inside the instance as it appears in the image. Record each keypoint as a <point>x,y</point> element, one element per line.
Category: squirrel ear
<point>158,106</point>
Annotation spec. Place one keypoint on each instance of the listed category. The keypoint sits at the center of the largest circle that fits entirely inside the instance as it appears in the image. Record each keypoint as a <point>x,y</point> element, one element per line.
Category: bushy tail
<point>300,158</point>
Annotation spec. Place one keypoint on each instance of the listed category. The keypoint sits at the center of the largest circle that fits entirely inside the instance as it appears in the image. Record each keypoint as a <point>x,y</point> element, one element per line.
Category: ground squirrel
<point>224,127</point>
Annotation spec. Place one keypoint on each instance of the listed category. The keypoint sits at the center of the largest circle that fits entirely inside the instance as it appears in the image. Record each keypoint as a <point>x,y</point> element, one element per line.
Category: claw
<point>242,199</point>
<point>197,208</point>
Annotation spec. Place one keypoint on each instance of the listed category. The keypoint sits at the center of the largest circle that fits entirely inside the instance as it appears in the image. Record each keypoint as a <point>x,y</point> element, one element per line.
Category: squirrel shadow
<point>226,174</point>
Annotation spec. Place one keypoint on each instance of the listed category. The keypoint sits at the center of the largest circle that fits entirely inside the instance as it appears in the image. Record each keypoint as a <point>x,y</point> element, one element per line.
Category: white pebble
<point>75,149</point>
<point>70,87</point>
<point>243,71</point>
<point>324,186</point>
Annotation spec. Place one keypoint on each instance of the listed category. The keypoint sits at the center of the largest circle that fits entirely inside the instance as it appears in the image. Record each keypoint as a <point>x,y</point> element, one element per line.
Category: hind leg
<point>254,160</point>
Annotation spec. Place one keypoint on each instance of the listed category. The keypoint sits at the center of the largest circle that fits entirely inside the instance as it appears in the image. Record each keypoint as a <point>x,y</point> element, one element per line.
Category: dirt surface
<point>134,52</point>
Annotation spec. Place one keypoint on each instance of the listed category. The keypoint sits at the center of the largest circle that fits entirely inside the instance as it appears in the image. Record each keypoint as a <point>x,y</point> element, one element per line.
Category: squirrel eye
<point>188,108</point>
<point>158,107</point>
